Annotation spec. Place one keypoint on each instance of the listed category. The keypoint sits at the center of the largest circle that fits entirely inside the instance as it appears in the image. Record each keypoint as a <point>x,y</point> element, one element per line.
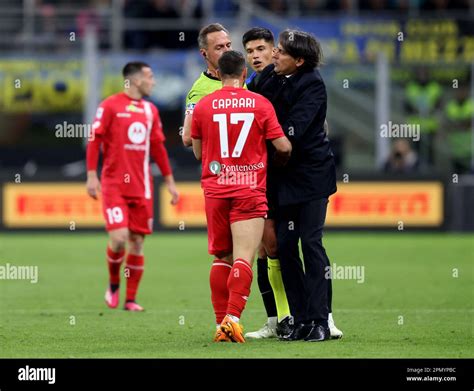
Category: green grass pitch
<point>416,300</point>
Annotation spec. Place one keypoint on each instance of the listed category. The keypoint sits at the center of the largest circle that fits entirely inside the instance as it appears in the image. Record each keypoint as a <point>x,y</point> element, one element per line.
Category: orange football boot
<point>221,336</point>
<point>233,330</point>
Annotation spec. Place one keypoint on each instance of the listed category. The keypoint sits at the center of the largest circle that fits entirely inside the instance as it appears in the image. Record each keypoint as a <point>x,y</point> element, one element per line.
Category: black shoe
<point>285,326</point>
<point>318,333</point>
<point>298,332</point>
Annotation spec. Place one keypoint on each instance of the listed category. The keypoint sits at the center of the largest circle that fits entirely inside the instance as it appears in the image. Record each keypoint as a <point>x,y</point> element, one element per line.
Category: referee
<point>298,94</point>
<point>213,40</point>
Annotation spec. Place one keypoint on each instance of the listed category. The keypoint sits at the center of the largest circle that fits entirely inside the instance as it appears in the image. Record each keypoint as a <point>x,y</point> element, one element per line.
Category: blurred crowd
<point>184,16</point>
<point>222,7</point>
<point>168,38</point>
<point>308,7</point>
<point>443,114</point>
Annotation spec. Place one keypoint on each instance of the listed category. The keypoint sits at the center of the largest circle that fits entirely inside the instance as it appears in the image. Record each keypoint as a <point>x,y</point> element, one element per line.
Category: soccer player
<point>259,45</point>
<point>229,132</point>
<point>213,41</point>
<point>129,130</point>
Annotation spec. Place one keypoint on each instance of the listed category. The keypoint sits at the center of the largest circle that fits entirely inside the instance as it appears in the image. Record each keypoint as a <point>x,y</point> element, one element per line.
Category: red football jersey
<point>233,124</point>
<point>127,127</point>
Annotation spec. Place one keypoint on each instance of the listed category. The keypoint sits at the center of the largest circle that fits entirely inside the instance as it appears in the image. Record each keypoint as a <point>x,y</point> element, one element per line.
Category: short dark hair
<point>258,33</point>
<point>210,28</point>
<point>231,64</point>
<point>133,67</point>
<point>299,44</point>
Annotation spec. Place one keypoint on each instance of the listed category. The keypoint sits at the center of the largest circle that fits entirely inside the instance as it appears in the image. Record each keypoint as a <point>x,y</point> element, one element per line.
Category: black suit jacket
<point>300,102</point>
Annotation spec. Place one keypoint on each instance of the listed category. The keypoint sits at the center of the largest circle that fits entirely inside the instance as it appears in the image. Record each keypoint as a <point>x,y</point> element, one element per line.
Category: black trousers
<point>308,289</point>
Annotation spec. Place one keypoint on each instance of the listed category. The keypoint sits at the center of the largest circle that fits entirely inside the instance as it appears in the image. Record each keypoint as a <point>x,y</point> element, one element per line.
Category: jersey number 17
<point>235,118</point>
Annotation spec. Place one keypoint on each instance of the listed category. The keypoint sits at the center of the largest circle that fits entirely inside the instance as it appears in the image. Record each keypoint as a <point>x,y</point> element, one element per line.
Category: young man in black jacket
<point>298,93</point>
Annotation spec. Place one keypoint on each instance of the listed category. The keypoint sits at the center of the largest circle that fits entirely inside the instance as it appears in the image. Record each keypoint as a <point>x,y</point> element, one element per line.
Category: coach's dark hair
<point>299,44</point>
<point>258,33</point>
<point>231,64</point>
<point>133,67</point>
<point>210,28</point>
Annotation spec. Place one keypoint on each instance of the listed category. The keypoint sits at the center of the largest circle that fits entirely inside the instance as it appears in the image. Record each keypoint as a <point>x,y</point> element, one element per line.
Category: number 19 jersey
<point>233,125</point>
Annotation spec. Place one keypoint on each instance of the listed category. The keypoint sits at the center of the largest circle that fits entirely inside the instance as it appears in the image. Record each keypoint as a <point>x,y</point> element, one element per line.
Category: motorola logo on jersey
<point>137,132</point>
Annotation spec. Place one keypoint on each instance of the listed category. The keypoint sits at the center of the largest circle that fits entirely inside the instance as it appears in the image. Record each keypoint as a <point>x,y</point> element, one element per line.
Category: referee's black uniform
<point>303,187</point>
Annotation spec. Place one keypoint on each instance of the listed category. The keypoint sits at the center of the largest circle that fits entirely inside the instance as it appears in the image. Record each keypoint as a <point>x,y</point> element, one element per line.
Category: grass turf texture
<point>406,275</point>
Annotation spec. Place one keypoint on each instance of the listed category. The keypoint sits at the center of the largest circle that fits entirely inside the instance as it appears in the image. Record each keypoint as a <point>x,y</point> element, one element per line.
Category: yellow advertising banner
<point>189,210</point>
<point>50,205</point>
<point>356,204</point>
<point>386,204</point>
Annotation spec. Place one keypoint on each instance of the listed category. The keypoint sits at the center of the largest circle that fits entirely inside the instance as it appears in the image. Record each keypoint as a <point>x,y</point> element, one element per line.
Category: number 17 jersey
<point>233,125</point>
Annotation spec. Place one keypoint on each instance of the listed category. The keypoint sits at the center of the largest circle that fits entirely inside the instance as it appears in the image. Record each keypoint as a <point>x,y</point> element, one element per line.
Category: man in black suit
<point>298,93</point>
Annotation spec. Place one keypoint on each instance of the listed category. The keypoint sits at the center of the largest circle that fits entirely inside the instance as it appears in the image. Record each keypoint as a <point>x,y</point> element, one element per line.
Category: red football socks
<point>134,274</point>
<point>219,293</point>
<point>239,283</point>
<point>114,261</point>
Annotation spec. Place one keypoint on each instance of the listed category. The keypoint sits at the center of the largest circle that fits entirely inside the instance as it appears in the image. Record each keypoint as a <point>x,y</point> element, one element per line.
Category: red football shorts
<point>222,212</point>
<point>136,214</point>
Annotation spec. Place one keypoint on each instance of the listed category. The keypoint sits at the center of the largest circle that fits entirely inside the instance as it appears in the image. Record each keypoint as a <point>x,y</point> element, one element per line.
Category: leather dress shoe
<point>299,331</point>
<point>318,333</point>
